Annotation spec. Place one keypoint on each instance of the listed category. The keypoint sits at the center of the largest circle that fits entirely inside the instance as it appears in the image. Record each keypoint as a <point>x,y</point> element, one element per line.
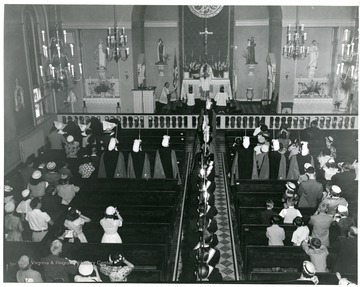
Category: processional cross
<point>206,33</point>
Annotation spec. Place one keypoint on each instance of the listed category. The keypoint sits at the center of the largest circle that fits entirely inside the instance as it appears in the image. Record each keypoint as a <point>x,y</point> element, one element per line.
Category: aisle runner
<point>226,263</point>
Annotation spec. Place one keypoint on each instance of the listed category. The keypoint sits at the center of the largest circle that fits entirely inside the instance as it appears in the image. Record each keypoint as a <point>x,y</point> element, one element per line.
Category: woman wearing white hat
<point>86,269</point>
<point>110,223</point>
<point>37,184</point>
<point>13,226</point>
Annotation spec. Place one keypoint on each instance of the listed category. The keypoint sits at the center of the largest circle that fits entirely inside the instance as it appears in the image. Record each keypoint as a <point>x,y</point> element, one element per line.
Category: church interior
<point>180,143</point>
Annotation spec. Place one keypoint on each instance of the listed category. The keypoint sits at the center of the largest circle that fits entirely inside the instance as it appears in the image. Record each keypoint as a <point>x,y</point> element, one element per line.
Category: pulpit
<point>214,87</point>
<point>144,101</point>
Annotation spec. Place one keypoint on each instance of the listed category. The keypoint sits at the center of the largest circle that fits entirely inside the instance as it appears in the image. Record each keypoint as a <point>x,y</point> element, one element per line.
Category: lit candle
<point>80,68</point>
<point>108,40</point>
<point>72,70</point>
<point>346,35</point>
<point>288,37</point>
<point>352,47</point>
<point>338,69</point>
<point>109,31</point>
<point>68,65</point>
<point>127,51</point>
<point>108,51</point>
<point>43,35</point>
<point>72,50</point>
<point>348,49</point>
<point>123,30</point>
<point>305,35</point>
<point>53,71</point>
<point>112,39</point>
<point>352,71</point>
<point>64,32</point>
<point>58,50</point>
<point>342,68</point>
<point>117,50</point>
<point>289,28</point>
<point>122,39</point>
<point>342,49</point>
<point>45,51</point>
<point>125,39</point>
<point>302,27</point>
<point>41,72</point>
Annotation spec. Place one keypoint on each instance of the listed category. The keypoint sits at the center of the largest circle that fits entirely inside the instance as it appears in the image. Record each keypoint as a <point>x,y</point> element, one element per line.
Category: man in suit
<point>310,191</point>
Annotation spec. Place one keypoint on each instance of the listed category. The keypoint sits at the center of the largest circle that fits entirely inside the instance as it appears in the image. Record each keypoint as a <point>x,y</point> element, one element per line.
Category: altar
<point>214,87</point>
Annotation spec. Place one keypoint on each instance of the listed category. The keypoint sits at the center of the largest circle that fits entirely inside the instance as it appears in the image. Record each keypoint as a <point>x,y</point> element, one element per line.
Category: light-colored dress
<point>76,227</point>
<point>110,227</point>
<point>116,273</point>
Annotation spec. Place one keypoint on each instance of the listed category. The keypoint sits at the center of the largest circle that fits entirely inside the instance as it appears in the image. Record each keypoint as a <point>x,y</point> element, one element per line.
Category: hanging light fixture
<point>116,43</point>
<point>295,42</point>
<point>348,65</point>
<point>57,66</point>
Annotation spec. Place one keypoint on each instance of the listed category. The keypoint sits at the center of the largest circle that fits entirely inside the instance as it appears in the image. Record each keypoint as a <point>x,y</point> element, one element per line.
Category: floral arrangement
<point>219,68</point>
<point>193,67</point>
<point>103,87</point>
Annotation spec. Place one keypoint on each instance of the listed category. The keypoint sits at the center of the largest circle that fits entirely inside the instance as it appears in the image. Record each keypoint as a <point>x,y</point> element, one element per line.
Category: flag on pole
<point>176,75</point>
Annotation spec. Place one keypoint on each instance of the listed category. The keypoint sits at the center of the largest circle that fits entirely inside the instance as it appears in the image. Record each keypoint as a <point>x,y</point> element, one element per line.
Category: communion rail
<point>238,122</point>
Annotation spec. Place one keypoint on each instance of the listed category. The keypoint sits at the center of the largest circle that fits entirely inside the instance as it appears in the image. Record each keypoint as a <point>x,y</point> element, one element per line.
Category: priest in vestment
<point>138,162</point>
<point>243,161</point>
<point>205,82</point>
<point>166,165</point>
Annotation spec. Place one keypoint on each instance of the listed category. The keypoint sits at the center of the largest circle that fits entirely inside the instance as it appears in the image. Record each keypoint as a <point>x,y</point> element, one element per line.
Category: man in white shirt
<point>165,98</point>
<point>38,220</point>
<point>221,99</point>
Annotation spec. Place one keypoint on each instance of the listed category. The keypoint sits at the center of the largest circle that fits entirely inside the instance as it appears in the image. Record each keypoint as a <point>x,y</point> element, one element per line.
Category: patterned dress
<point>116,273</point>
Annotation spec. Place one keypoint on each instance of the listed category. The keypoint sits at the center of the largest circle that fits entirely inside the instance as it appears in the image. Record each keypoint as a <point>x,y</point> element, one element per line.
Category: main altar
<point>215,85</point>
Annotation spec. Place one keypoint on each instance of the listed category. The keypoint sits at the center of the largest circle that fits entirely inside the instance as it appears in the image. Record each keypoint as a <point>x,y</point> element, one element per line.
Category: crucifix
<point>206,33</point>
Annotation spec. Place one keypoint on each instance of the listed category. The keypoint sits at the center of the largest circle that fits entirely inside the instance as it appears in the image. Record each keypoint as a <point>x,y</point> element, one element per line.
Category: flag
<point>175,74</point>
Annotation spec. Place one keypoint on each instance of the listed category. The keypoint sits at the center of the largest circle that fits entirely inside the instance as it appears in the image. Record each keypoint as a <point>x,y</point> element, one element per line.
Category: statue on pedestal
<point>250,59</point>
<point>100,59</point>
<point>314,55</point>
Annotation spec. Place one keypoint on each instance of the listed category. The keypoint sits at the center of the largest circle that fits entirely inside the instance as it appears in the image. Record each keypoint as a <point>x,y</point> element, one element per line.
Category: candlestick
<point>43,35</point>
<point>109,31</point>
<point>72,50</point>
<point>342,68</point>
<point>64,32</point>
<point>352,71</point>
<point>305,36</point>
<point>53,71</point>
<point>342,49</point>
<point>41,72</point>
<point>108,51</point>
<point>68,65</point>
<point>308,49</point>
<point>338,69</point>
<point>125,39</point>
<point>288,38</point>
<point>72,70</point>
<point>80,68</point>
<point>346,35</point>
<point>289,28</point>
<point>58,50</point>
<point>352,47</point>
<point>348,49</point>
<point>127,50</point>
<point>123,30</point>
<point>45,51</point>
<point>302,27</point>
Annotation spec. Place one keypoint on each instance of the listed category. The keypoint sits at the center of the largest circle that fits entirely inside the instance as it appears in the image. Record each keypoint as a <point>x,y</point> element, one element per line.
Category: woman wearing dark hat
<point>74,223</point>
<point>118,268</point>
<point>110,223</point>
<point>205,272</point>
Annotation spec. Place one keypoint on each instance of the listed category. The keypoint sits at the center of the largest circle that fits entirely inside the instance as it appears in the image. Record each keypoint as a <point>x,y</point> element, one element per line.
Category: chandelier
<point>295,42</point>
<point>349,65</point>
<point>58,67</point>
<point>116,43</point>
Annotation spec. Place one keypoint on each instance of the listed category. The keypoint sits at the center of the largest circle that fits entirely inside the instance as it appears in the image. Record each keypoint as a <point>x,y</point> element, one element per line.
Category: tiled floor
<point>226,263</point>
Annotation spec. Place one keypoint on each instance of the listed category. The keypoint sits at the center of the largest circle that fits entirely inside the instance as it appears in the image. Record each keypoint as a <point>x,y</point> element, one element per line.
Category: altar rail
<point>238,122</point>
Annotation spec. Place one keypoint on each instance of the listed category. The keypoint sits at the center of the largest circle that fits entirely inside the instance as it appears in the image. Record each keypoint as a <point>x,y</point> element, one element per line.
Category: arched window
<point>33,57</point>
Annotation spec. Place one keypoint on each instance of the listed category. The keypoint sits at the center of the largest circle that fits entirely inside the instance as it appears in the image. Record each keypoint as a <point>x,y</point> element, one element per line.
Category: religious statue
<point>100,59</point>
<point>250,59</point>
<point>271,78</point>
<point>314,55</point>
<point>161,53</point>
<point>342,96</point>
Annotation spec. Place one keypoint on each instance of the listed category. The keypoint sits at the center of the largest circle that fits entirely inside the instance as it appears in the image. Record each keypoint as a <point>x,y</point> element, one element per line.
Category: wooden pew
<point>258,199</point>
<point>145,257</point>
<point>132,232</point>
<point>247,185</point>
<point>325,278</point>
<point>251,215</point>
<point>257,257</point>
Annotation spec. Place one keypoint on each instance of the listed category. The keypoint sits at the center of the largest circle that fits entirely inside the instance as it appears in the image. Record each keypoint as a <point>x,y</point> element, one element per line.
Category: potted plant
<point>192,69</point>
<point>102,88</point>
<point>220,69</point>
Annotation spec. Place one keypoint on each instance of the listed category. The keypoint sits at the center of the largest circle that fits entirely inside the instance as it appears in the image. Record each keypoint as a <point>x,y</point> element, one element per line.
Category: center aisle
<point>228,262</point>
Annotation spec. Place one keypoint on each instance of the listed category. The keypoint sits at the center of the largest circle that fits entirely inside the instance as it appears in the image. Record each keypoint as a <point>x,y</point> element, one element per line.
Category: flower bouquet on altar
<point>219,68</point>
<point>103,88</point>
<point>193,69</point>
